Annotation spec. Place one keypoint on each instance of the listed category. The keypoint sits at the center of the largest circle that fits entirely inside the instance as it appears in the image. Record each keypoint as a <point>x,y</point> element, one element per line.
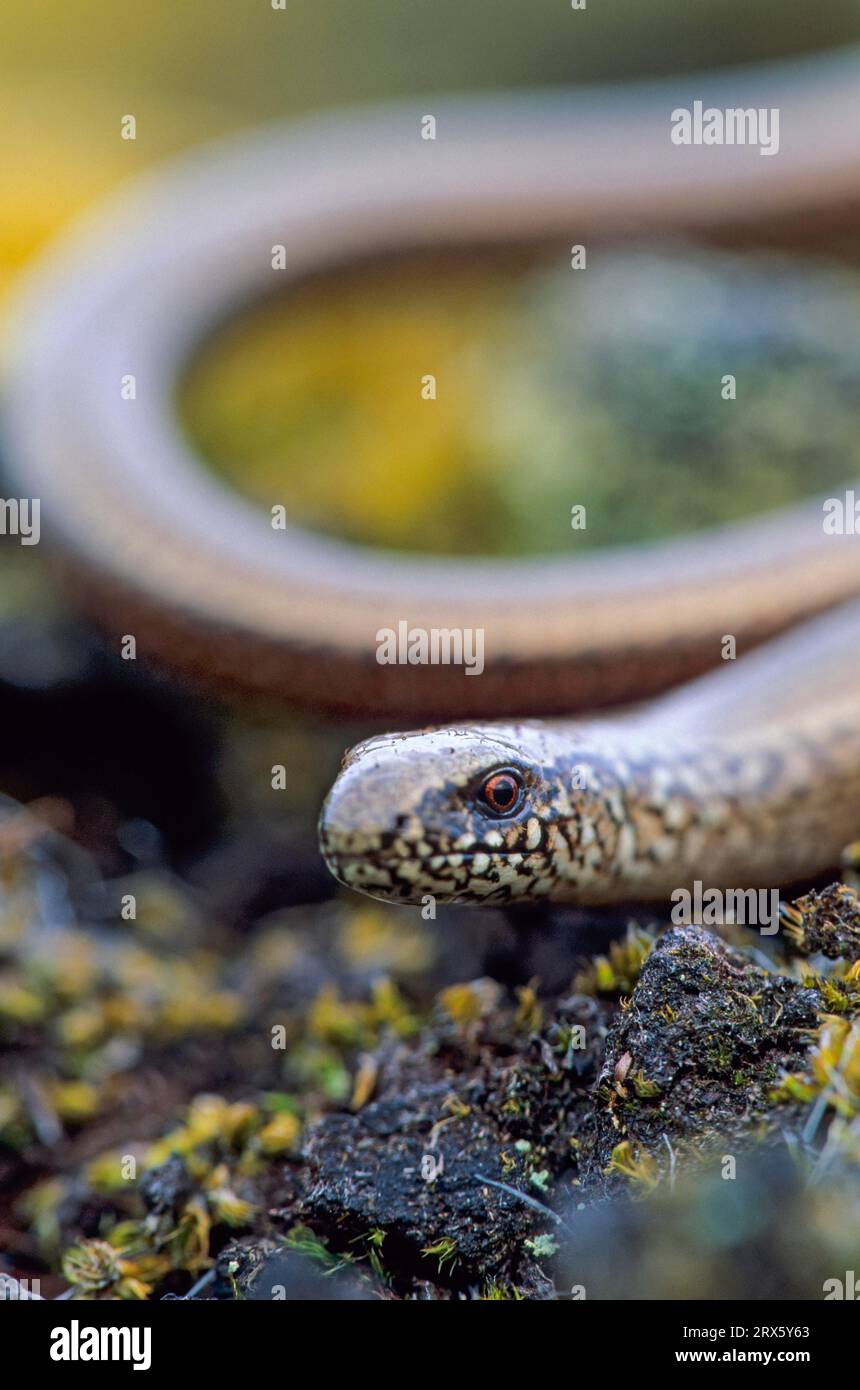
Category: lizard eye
<point>502,792</point>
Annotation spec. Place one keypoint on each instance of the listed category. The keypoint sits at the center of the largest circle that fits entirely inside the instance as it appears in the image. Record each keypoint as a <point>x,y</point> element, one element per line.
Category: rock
<point>826,923</point>
<point>366,1174</point>
<point>454,1160</point>
<point>705,1039</point>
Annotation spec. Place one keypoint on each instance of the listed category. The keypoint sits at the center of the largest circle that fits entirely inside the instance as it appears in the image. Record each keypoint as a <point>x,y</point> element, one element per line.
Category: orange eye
<point>502,792</point>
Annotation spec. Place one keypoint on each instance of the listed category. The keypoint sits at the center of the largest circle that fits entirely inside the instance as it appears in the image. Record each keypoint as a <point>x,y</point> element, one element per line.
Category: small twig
<point>672,1162</point>
<point>524,1197</point>
<point>202,1283</point>
<point>815,1117</point>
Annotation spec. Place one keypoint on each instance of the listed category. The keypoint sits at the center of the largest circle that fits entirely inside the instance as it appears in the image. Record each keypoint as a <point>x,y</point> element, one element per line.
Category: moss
<point>354,1024</point>
<point>542,1247</point>
<point>75,1101</point>
<point>638,1168</point>
<point>19,1005</point>
<point>839,991</point>
<point>825,923</point>
<point>97,1269</point>
<point>523,1101</point>
<point>833,1073</point>
<point>618,972</point>
<point>645,1089</point>
<point>503,1293</point>
<point>467,1004</point>
<point>302,1239</point>
<point>445,1251</point>
<point>529,1014</point>
<point>370,938</point>
<point>711,1030</point>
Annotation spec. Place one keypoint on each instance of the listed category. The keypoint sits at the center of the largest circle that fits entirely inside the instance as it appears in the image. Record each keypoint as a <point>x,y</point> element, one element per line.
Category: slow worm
<point>749,776</point>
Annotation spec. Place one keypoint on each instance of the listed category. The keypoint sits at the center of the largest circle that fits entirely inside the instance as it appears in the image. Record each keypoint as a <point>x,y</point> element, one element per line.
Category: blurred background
<point>201,68</point>
<point>524,346</point>
<point>195,71</point>
<point>136,784</point>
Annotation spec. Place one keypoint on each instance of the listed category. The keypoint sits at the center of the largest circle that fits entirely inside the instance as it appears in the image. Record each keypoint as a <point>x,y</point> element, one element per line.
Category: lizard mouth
<point>448,877</point>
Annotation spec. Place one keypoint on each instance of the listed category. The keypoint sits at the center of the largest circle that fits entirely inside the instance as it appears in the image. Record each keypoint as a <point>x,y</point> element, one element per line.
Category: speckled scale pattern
<point>609,813</point>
